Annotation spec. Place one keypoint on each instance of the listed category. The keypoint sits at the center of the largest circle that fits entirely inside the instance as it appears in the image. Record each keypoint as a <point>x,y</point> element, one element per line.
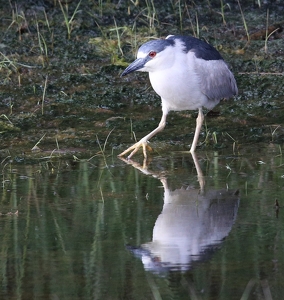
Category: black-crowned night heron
<point>187,74</point>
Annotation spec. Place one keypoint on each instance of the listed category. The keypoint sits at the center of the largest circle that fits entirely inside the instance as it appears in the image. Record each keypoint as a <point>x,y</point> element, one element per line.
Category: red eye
<point>152,54</point>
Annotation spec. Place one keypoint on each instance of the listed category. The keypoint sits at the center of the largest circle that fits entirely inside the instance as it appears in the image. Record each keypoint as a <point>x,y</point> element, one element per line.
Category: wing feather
<point>216,80</point>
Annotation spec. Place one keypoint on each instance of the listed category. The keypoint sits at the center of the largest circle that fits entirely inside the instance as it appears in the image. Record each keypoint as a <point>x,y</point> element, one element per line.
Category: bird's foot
<point>134,148</point>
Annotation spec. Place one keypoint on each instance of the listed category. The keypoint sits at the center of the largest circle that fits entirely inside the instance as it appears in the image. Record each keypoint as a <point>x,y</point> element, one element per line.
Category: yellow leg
<point>199,122</point>
<point>144,141</point>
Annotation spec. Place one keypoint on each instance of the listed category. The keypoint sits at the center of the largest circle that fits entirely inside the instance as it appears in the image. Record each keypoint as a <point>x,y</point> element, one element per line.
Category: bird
<point>188,74</point>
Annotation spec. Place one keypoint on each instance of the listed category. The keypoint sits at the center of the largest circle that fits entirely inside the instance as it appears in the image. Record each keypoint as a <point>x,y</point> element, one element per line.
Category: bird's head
<point>151,56</point>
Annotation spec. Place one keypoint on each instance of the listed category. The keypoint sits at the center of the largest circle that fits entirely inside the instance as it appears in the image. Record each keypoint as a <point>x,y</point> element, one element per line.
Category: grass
<point>18,19</point>
<point>43,94</point>
<point>69,21</point>
<point>11,66</point>
<point>102,151</point>
<point>244,21</point>
<point>36,41</point>
<point>35,147</point>
<point>42,44</point>
<point>273,131</point>
<point>267,36</point>
<point>151,14</point>
<point>223,6</point>
<point>4,116</point>
<point>235,143</point>
<point>118,37</point>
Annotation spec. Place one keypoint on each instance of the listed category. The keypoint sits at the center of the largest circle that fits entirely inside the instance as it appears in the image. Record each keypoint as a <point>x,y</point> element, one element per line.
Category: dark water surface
<point>106,229</point>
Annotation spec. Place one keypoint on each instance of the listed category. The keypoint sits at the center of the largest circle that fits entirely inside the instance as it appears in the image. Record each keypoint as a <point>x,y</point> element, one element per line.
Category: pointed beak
<point>135,66</point>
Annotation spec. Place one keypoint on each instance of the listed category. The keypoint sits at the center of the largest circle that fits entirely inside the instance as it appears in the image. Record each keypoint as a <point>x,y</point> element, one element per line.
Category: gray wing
<point>216,80</point>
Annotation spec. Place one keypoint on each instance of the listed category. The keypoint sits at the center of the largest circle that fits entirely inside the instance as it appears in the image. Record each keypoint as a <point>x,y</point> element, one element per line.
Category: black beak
<point>135,66</point>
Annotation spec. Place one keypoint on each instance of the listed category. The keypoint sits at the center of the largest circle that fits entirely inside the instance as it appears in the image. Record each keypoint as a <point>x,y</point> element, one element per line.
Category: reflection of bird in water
<point>189,225</point>
<point>187,74</point>
<point>192,224</point>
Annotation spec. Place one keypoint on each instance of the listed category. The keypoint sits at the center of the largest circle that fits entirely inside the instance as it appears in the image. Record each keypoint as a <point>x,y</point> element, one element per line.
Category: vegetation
<point>60,63</point>
<point>69,206</point>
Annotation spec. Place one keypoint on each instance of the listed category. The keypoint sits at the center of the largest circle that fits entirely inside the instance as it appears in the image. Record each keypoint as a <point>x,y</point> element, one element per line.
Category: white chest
<point>178,89</point>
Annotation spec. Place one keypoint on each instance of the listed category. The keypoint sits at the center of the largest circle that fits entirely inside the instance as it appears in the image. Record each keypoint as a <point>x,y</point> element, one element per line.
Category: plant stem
<point>43,95</point>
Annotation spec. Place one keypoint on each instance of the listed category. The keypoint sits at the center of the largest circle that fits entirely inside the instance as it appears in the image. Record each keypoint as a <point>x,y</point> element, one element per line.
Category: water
<point>106,229</point>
